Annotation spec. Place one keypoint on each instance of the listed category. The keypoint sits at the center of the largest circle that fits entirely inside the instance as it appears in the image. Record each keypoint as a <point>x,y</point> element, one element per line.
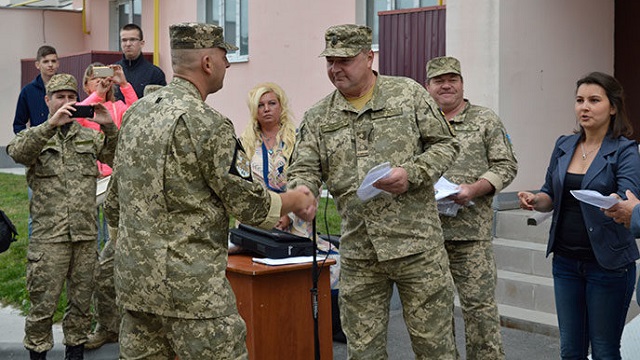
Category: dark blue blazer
<point>615,168</point>
<point>31,107</point>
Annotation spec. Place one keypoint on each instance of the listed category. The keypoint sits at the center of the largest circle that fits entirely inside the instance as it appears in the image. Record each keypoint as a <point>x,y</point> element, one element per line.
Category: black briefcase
<point>274,244</point>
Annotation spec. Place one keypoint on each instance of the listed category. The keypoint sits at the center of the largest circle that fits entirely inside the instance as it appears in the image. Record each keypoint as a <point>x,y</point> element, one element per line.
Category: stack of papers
<point>444,188</point>
<point>594,198</point>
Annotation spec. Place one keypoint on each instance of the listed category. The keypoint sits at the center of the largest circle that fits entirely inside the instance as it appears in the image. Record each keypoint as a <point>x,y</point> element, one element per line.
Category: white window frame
<point>114,24</point>
<point>203,5</point>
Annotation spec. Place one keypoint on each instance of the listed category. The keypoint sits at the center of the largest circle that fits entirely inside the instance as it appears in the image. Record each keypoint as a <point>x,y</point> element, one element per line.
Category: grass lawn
<point>327,207</point>
<point>15,203</point>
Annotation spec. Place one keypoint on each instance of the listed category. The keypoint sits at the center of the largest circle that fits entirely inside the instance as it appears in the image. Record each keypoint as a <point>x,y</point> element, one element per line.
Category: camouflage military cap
<point>190,35</point>
<point>443,65</point>
<point>347,40</point>
<point>61,82</point>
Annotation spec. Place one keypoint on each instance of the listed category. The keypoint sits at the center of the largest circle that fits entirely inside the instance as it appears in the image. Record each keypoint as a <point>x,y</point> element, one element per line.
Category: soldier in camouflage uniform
<point>179,173</point>
<point>393,238</point>
<point>60,156</point>
<point>486,164</point>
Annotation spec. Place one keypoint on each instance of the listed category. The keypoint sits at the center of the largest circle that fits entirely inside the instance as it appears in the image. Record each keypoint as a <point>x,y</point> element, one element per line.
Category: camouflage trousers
<point>154,337</point>
<point>473,268</point>
<point>107,314</point>
<point>426,292</point>
<point>49,266</point>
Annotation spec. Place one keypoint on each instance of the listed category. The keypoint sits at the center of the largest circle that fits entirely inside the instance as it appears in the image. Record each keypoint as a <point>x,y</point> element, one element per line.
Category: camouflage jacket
<point>486,152</point>
<point>179,171</point>
<point>61,172</point>
<point>338,145</point>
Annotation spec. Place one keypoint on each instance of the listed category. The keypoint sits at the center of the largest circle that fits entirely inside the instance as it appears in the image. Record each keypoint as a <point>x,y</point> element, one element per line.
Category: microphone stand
<point>314,293</point>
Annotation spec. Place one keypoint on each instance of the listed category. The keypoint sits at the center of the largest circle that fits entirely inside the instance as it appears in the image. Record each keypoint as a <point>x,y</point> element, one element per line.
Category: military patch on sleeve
<point>241,163</point>
<point>301,132</point>
<point>508,138</point>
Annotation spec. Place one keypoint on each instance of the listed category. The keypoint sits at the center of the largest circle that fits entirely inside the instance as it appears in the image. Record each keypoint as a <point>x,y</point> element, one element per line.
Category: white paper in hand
<point>444,188</point>
<point>366,190</point>
<point>594,198</point>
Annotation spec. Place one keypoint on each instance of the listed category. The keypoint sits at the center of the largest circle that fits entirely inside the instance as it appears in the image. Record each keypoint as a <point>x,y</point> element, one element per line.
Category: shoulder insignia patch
<point>241,164</point>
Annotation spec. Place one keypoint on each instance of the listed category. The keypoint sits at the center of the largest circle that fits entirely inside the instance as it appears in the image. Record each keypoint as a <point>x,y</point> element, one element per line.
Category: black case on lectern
<point>274,244</point>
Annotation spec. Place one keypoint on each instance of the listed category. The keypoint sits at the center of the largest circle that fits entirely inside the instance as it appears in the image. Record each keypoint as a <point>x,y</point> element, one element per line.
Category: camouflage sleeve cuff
<point>494,179</point>
<point>274,212</point>
<point>295,183</point>
<point>413,175</point>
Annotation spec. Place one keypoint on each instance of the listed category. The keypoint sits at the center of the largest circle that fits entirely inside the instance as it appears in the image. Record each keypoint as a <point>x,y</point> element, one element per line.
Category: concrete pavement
<point>518,344</point>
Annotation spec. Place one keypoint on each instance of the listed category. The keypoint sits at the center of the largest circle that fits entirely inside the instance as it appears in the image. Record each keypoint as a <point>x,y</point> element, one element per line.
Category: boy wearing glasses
<point>137,69</point>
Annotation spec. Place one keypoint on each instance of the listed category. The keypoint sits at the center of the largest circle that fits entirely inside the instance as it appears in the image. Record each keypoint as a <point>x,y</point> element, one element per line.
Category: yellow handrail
<point>84,18</point>
<point>156,32</point>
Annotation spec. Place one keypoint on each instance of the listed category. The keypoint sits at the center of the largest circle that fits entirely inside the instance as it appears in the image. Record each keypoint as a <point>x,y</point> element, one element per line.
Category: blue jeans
<point>592,304</point>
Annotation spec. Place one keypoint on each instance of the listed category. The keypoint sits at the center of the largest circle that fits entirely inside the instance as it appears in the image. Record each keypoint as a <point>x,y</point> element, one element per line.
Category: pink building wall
<point>28,30</point>
<point>285,38</point>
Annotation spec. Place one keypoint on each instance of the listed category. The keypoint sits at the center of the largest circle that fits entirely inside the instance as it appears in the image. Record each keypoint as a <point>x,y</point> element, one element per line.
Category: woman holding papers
<point>269,139</point>
<point>593,257</point>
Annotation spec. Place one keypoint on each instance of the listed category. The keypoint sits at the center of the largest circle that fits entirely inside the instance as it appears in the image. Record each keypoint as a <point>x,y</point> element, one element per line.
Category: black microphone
<point>314,292</point>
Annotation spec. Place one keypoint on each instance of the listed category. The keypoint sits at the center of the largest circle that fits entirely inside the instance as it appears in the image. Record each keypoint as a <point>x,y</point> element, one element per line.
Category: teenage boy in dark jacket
<point>138,71</point>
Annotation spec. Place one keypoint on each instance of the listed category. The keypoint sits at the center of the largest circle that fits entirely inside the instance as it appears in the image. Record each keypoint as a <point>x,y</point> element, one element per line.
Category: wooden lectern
<point>275,302</point>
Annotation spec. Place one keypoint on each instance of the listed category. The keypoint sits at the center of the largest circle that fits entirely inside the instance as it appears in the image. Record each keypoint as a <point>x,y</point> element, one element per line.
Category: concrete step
<point>512,224</point>
<point>527,302</point>
<point>525,291</point>
<point>523,257</point>
<point>538,322</point>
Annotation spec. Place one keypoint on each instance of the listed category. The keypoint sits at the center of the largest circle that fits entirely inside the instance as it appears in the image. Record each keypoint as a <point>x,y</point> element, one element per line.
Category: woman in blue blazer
<point>593,257</point>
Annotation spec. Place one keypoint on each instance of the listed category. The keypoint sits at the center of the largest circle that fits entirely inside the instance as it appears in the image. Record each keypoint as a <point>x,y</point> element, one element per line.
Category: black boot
<point>74,352</point>
<point>37,355</point>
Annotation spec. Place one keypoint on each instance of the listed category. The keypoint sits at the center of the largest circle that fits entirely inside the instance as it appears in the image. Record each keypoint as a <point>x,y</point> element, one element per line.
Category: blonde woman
<point>269,139</point>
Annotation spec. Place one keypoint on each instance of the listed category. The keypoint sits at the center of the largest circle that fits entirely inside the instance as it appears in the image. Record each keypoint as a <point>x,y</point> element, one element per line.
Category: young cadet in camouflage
<point>486,164</point>
<point>395,238</point>
<point>179,172</point>
<point>107,314</point>
<point>60,156</point>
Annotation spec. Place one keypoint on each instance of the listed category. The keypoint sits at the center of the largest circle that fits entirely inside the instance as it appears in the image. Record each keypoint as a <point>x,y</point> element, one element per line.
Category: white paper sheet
<point>101,189</point>
<point>366,190</point>
<point>444,188</point>
<point>594,198</point>
<point>285,261</point>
